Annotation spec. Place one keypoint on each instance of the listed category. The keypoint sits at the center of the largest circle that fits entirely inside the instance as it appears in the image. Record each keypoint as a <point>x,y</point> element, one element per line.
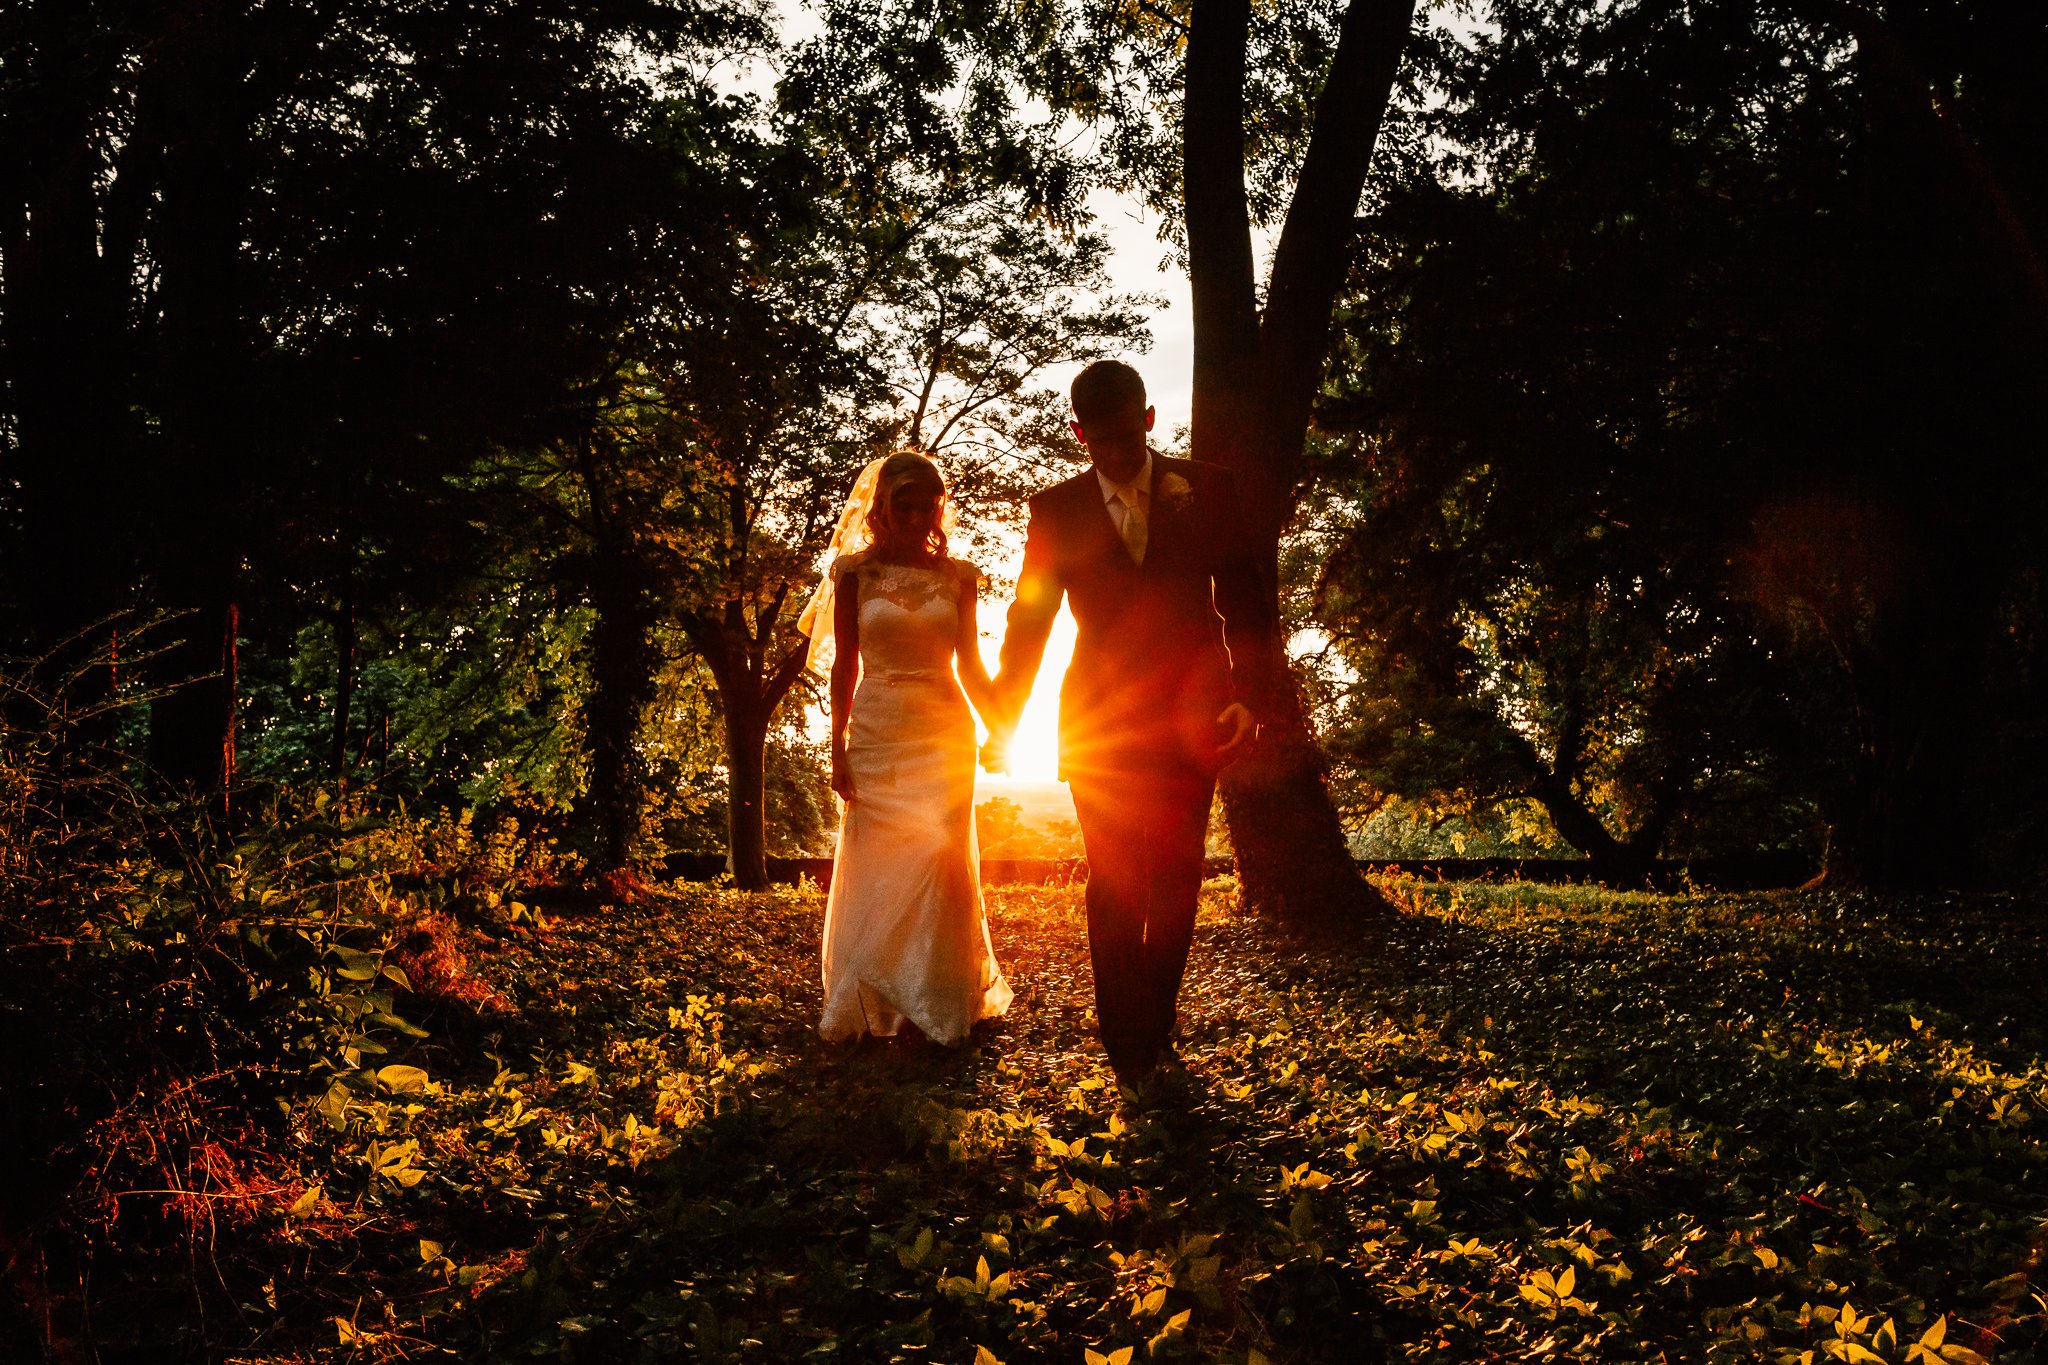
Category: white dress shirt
<point>1141,484</point>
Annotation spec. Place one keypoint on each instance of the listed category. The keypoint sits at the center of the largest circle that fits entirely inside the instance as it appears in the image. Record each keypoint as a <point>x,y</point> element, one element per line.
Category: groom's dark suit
<point>1138,733</point>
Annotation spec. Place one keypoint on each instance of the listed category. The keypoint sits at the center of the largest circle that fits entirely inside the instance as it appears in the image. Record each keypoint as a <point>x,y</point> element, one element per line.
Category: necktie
<point>1135,530</point>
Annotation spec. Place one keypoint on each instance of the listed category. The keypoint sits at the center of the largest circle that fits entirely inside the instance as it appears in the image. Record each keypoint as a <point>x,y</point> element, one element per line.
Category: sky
<point>1135,268</point>
<point>1135,265</point>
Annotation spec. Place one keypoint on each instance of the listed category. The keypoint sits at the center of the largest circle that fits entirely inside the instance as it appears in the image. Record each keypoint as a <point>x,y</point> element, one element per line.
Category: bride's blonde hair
<point>863,524</point>
<point>904,468</point>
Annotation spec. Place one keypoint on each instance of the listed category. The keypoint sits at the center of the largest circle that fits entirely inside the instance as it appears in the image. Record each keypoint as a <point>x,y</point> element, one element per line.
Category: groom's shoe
<point>1133,1067</point>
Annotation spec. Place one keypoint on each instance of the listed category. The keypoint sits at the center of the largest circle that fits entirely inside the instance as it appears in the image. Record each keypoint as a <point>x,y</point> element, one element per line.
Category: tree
<point>1257,370</point>
<point>249,248</point>
<point>1917,669</point>
<point>1647,352</point>
<point>1321,82</point>
<point>931,327</point>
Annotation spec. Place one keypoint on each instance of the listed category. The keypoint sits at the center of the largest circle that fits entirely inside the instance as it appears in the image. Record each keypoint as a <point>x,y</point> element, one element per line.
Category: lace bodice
<point>909,615</point>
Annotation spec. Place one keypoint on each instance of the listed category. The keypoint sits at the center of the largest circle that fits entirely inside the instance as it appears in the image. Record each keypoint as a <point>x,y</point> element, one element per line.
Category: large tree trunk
<point>1292,855</point>
<point>623,684</point>
<point>1621,862</point>
<point>344,681</point>
<point>751,684</point>
<point>192,728</point>
<point>65,349</point>
<point>1255,380</point>
<point>623,666</point>
<point>750,701</point>
<point>746,766</point>
<point>207,352</point>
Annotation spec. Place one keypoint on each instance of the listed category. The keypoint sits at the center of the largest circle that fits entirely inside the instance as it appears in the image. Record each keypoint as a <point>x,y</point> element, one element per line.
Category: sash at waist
<point>907,675</point>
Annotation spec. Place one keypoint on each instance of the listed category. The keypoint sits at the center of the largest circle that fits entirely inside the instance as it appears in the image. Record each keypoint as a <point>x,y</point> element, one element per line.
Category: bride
<point>906,944</point>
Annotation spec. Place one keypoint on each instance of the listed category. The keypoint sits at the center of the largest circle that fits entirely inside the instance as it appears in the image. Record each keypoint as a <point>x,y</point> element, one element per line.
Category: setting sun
<point>1034,752</point>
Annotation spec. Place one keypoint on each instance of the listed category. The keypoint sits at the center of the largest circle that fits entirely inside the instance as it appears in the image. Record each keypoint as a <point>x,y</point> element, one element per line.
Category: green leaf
<point>914,1255</point>
<point>1171,1333</point>
<point>333,1106</point>
<point>1302,1221</point>
<point>403,1080</point>
<point>399,1025</point>
<point>356,965</point>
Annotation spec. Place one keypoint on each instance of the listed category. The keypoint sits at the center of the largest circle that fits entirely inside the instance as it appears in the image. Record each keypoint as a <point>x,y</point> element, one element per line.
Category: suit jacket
<point>1161,646</point>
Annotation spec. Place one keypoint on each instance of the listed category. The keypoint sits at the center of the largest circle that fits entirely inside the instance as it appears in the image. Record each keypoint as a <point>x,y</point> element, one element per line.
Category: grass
<point>1529,1123</point>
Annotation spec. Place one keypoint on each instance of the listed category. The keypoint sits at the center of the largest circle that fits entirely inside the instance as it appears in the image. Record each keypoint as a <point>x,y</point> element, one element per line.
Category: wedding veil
<point>849,537</point>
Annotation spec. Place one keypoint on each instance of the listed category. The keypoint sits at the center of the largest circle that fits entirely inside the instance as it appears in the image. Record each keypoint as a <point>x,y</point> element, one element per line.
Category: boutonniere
<point>1175,494</point>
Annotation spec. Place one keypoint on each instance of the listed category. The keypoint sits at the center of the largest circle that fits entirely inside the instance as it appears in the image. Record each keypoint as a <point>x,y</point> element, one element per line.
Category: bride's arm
<point>845,674</point>
<point>974,679</point>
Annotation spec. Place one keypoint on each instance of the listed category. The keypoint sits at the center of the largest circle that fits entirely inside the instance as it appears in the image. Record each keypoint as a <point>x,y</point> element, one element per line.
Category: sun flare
<point>1035,750</point>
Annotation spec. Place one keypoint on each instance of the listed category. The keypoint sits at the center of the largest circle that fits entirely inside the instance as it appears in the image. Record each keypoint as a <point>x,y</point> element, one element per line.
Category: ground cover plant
<point>1530,1122</point>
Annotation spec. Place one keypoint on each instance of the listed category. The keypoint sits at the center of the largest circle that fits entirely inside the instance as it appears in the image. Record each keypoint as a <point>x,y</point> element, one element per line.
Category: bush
<point>199,1012</point>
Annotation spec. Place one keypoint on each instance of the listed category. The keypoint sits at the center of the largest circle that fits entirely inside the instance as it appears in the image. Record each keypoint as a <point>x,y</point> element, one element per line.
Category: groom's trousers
<point>1145,832</point>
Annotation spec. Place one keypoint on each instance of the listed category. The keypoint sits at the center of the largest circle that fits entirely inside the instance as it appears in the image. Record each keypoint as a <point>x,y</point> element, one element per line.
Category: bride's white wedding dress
<point>905,935</point>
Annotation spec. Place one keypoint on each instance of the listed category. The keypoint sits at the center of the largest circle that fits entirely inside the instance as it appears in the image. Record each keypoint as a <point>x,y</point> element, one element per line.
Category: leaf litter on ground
<point>1517,1122</point>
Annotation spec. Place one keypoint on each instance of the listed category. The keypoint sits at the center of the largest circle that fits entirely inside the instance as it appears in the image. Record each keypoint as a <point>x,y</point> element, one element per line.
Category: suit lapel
<point>1163,534</point>
<point>1097,530</point>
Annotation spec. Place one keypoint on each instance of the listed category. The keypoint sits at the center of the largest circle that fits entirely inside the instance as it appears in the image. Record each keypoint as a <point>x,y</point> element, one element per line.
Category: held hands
<point>1001,718</point>
<point>842,775</point>
<point>1236,726</point>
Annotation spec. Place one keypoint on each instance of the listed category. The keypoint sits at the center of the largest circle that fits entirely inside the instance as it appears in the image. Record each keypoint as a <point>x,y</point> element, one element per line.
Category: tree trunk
<point>67,356</point>
<point>750,702</point>
<point>1892,813</point>
<point>1292,856</point>
<point>622,667</point>
<point>206,352</point>
<point>1255,380</point>
<point>746,766</point>
<point>192,728</point>
<point>1614,861</point>
<point>751,684</point>
<point>344,681</point>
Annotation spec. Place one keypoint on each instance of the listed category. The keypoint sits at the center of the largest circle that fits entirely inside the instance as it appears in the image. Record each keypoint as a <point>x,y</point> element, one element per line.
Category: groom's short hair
<point>1106,387</point>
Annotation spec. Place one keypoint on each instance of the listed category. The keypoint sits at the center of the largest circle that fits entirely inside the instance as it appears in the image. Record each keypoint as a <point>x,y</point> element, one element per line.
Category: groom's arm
<point>1031,616</point>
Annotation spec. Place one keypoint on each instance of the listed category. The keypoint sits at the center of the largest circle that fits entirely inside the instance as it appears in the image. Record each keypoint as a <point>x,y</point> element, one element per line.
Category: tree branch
<point>1220,278</point>
<point>1905,86</point>
<point>1313,256</point>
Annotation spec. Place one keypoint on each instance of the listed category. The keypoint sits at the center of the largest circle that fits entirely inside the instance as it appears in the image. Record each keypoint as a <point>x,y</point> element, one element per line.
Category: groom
<point>1149,550</point>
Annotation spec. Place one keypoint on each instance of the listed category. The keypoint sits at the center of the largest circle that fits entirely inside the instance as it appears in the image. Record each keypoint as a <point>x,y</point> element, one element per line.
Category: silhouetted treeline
<point>459,398</point>
<point>1683,449</point>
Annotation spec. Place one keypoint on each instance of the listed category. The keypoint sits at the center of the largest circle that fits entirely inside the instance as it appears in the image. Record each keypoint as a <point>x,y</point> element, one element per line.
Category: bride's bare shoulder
<point>968,572</point>
<point>853,563</point>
